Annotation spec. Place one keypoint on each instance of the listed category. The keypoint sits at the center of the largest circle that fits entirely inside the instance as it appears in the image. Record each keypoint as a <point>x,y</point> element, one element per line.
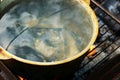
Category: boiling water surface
<point>45,30</point>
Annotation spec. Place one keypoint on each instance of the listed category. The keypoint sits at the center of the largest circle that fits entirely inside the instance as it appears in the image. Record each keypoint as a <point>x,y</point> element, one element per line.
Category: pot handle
<point>4,55</point>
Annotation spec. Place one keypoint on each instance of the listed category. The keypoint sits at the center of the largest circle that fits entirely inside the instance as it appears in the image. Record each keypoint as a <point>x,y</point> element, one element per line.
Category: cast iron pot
<point>75,16</point>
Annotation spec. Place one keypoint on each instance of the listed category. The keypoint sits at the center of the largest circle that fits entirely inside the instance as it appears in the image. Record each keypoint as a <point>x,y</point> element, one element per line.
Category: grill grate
<point>107,43</point>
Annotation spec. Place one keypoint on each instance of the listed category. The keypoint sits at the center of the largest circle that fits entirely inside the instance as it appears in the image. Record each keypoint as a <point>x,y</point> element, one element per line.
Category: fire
<point>92,52</point>
<point>21,78</point>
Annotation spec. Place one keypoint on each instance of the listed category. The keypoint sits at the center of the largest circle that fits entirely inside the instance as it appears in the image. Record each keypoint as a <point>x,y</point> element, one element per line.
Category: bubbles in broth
<point>39,31</point>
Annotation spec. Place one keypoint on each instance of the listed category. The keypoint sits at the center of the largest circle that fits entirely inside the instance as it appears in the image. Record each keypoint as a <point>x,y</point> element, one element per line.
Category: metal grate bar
<point>107,39</point>
<point>99,63</point>
<point>97,54</point>
<point>105,58</point>
<point>105,11</point>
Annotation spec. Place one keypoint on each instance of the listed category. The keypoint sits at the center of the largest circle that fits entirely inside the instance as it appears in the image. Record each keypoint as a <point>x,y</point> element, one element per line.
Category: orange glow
<point>92,52</point>
<point>21,78</point>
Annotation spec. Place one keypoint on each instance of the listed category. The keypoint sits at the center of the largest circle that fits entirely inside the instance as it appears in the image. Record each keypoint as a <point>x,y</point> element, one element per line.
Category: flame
<point>92,52</point>
<point>21,78</point>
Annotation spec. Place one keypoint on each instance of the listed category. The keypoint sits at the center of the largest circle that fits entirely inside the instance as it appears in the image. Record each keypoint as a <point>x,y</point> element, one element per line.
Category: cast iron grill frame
<point>112,38</point>
<point>96,5</point>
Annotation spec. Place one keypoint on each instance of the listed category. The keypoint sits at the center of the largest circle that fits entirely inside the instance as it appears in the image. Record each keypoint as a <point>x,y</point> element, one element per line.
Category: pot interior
<point>46,30</point>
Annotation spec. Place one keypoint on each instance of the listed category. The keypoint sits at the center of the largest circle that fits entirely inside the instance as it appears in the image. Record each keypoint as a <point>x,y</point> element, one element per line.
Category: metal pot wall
<point>74,16</point>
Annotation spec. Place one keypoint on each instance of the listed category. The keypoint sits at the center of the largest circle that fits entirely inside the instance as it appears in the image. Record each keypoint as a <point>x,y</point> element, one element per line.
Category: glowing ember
<point>92,51</point>
<point>21,78</point>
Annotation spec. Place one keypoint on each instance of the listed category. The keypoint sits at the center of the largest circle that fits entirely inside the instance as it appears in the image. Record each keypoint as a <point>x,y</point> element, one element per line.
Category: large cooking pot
<point>45,37</point>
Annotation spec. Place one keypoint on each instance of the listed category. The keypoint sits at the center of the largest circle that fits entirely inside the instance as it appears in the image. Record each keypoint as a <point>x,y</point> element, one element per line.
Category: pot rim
<point>94,36</point>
